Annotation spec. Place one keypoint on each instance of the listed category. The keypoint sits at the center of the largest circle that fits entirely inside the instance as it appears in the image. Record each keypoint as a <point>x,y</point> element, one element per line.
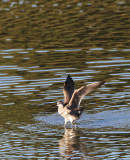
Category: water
<point>33,70</point>
<point>30,123</point>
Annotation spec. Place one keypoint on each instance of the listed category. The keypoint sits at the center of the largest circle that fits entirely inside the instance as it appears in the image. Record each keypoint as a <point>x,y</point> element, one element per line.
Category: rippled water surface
<point>34,63</point>
<point>30,126</point>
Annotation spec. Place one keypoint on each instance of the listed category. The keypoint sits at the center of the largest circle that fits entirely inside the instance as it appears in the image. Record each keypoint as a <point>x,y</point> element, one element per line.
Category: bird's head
<point>60,103</point>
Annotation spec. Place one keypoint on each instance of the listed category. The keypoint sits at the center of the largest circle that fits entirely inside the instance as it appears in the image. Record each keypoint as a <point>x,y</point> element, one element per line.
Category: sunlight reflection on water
<point>46,41</point>
<point>32,86</point>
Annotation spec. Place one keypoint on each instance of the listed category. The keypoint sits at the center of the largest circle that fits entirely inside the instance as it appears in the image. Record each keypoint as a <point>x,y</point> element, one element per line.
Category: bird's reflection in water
<point>69,144</point>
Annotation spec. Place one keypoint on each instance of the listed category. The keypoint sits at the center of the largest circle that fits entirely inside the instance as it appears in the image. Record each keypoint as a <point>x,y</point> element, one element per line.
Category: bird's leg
<point>72,124</point>
<point>65,123</point>
<point>75,126</point>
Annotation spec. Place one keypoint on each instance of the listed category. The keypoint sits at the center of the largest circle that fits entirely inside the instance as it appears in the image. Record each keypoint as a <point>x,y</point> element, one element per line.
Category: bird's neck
<point>60,108</point>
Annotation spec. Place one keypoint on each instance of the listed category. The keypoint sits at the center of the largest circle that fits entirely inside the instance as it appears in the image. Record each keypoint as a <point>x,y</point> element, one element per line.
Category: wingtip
<point>69,80</point>
<point>102,82</point>
<point>68,75</point>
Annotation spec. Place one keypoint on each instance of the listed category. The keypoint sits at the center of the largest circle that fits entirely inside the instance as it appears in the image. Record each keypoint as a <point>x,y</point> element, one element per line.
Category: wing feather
<point>79,94</point>
<point>68,89</point>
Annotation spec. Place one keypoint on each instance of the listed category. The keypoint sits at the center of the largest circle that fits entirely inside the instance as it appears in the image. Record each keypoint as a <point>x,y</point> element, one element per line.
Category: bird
<point>70,109</point>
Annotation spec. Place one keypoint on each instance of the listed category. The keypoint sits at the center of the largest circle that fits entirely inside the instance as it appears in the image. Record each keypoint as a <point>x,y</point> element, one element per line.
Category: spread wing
<point>79,94</point>
<point>68,89</point>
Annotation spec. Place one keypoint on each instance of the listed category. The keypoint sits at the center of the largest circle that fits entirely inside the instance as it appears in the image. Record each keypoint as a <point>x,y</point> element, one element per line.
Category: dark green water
<point>40,44</point>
